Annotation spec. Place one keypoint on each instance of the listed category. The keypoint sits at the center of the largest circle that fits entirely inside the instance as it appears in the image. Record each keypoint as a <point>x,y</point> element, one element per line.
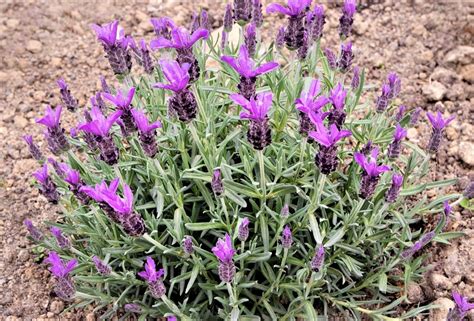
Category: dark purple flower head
<point>346,57</point>
<point>338,97</point>
<point>120,100</point>
<point>245,66</point>
<point>392,193</point>
<point>96,192</point>
<point>142,122</point>
<point>177,75</point>
<point>395,84</point>
<point>150,274</point>
<point>58,267</point>
<point>120,205</point>
<point>255,109</point>
<point>100,125</point>
<point>101,267</point>
<point>171,318</point>
<point>324,136</point>
<point>318,20</point>
<point>293,7</point>
<point>62,84</point>
<point>42,174</point>
<point>438,122</point>
<point>63,242</point>
<point>331,58</point>
<point>228,19</point>
<point>71,176</point>
<point>397,180</point>
<point>243,232</point>
<point>356,78</point>
<point>111,34</point>
<point>415,115</point>
<point>103,83</point>
<point>462,302</point>
<point>33,147</point>
<point>286,237</point>
<point>280,37</point>
<point>400,113</point>
<point>162,26</point>
<point>369,165</point>
<point>257,17</point>
<point>318,259</point>
<point>180,39</point>
<point>308,101</point>
<point>447,208</point>
<point>224,250</point>
<point>33,230</point>
<point>349,8</point>
<point>52,117</point>
<point>250,38</point>
<point>188,245</point>
<point>216,182</point>
<point>399,133</point>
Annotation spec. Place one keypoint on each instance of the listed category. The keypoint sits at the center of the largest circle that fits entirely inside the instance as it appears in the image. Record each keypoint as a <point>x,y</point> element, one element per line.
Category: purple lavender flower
<point>245,66</point>
<point>73,178</point>
<point>97,101</point>
<point>383,99</point>
<point>216,182</point>
<point>101,267</point>
<point>317,261</point>
<point>345,60</point>
<point>242,11</point>
<point>469,191</point>
<point>56,166</point>
<point>425,239</point>
<point>259,133</point>
<point>415,115</point>
<point>286,237</point>
<point>115,46</point>
<point>326,158</point>
<point>146,132</point>
<point>317,22</point>
<point>154,278</point>
<point>105,87</point>
<point>68,100</point>
<point>309,103</point>
<point>183,42</point>
<point>392,193</point>
<point>395,146</point>
<point>228,20</point>
<point>99,126</point>
<point>250,38</point>
<point>367,148</point>
<point>64,288</point>
<point>372,171</point>
<point>257,17</point>
<point>142,55</point>
<point>54,134</point>
<point>182,103</point>
<point>34,148</point>
<point>331,58</point>
<point>96,193</point>
<point>302,51</point>
<point>194,22</point>
<point>400,113</point>
<point>285,211</point>
<point>243,232</point>
<point>188,245</point>
<point>347,18</point>
<point>224,39</point>
<point>355,78</point>
<point>225,252</point>
<point>47,187</point>
<point>438,124</point>
<point>296,11</point>
<point>395,85</point>
<point>447,211</point>
<point>163,26</point>
<point>280,38</point>
<point>35,233</point>
<point>337,115</point>
<point>132,307</point>
<point>204,20</point>
<point>124,104</point>
<point>63,242</point>
<point>461,309</point>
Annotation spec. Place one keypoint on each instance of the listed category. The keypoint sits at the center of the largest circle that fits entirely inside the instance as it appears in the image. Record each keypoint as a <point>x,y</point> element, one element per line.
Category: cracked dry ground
<point>429,45</point>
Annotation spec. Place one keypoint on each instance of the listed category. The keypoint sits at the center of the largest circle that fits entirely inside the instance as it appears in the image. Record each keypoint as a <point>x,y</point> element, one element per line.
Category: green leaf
<point>205,226</point>
<point>383,282</point>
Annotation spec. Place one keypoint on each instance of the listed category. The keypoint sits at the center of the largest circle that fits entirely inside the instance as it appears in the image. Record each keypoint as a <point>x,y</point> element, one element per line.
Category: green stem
<point>224,208</point>
<point>231,294</point>
<point>309,285</point>
<point>263,183</point>
<point>242,249</point>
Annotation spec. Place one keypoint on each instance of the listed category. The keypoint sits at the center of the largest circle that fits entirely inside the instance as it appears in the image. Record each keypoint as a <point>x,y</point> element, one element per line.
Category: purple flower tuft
<point>392,193</point>
<point>250,38</point>
<point>162,27</point>
<point>438,124</point>
<point>101,267</point>
<point>461,309</point>
<point>345,60</point>
<point>68,100</point>
<point>242,11</point>
<point>285,211</point>
<point>370,176</point>
<point>317,261</point>
<point>400,113</point>
<point>395,85</point>
<point>146,132</point>
<point>415,115</point>
<point>35,233</point>
<point>47,187</point>
<point>395,147</point>
<point>331,58</point>
<point>225,252</point>
<point>64,284</point>
<point>383,99</point>
<point>347,18</point>
<point>34,148</point>
<point>216,182</point>
<point>228,19</point>
<point>286,237</point>
<point>188,245</point>
<point>317,23</point>
<point>142,55</point>
<point>257,17</point>
<point>154,278</point>
<point>243,232</point>
<point>124,104</point>
<point>63,242</point>
<point>355,78</point>
<point>54,134</point>
<point>309,103</point>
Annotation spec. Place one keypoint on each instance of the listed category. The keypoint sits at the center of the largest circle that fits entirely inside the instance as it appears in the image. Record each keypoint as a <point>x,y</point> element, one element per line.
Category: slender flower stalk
<point>296,12</point>
<point>392,193</point>
<point>326,158</point>
<point>142,55</point>
<point>396,145</point>
<point>337,115</point>
<point>188,245</point>
<point>73,178</point>
<point>309,103</point>
<point>355,78</point>
<point>34,148</point>
<point>286,238</point>
<point>228,19</point>
<point>415,115</point>
<point>124,104</point>
<point>182,103</point>
<point>345,59</point>
<point>384,99</point>
<point>250,38</point>
<point>103,268</point>
<point>438,124</point>
<point>463,306</point>
<point>243,232</point>
<point>116,47</point>
<point>183,43</point>
<point>317,261</point>
<point>68,100</point>
<point>371,172</point>
<point>256,110</point>
<point>257,16</point>
<point>64,288</point>
<point>47,187</point>
<point>424,240</point>
<point>63,242</point>
<point>242,11</point>
<point>347,18</point>
<point>153,278</point>
<point>146,132</point>
<point>99,126</point>
<point>224,253</point>
<point>57,141</point>
<point>245,66</point>
<point>216,182</point>
<point>35,233</point>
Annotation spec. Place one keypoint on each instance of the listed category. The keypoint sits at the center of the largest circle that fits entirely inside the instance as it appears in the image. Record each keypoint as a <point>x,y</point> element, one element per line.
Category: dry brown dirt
<point>429,43</point>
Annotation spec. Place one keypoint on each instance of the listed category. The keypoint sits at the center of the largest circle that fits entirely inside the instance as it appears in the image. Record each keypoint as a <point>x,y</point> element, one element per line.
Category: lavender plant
<point>261,198</point>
